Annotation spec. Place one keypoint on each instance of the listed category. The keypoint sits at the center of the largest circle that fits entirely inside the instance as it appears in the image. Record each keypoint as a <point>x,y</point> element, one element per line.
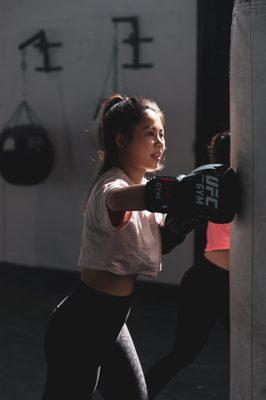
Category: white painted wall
<point>41,225</point>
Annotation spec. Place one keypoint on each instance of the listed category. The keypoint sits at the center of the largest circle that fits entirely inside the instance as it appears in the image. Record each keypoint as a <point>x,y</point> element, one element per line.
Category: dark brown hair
<point>120,114</point>
<point>219,148</point>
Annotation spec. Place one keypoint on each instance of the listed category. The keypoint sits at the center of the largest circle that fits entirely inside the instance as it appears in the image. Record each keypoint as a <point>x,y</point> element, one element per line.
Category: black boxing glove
<point>176,229</point>
<point>210,190</point>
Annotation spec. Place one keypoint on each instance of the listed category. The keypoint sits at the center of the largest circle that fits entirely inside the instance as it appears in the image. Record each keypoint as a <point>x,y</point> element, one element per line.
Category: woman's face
<point>147,145</point>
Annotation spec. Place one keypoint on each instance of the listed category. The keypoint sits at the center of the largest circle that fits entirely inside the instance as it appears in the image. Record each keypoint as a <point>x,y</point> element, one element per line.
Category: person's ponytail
<point>111,102</point>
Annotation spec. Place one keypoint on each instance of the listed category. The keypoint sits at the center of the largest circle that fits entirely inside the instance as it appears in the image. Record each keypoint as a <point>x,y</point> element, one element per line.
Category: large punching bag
<point>248,243</point>
<point>26,155</point>
<point>26,152</point>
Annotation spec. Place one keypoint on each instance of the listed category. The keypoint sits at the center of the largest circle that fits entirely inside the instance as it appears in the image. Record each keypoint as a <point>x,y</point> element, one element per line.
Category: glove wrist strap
<point>159,193</point>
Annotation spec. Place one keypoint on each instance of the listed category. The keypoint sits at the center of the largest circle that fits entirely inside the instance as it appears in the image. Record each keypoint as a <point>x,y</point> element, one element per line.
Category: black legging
<point>203,298</point>
<point>122,377</point>
<point>94,326</point>
<point>83,338</point>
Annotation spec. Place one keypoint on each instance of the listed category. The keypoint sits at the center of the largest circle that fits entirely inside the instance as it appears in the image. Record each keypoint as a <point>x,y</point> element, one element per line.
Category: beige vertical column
<point>248,242</point>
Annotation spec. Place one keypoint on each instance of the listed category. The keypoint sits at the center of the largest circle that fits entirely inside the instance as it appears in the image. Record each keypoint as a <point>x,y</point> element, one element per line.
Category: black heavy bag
<point>26,154</point>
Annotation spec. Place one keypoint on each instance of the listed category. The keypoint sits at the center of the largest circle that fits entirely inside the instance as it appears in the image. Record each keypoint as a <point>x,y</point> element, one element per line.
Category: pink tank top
<point>218,237</point>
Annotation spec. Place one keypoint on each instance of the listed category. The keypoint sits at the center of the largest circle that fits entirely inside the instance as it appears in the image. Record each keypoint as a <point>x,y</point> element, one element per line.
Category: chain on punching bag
<point>26,152</point>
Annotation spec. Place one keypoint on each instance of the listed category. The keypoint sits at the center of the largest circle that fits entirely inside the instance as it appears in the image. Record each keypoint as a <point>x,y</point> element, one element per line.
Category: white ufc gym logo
<point>207,191</point>
<point>158,191</point>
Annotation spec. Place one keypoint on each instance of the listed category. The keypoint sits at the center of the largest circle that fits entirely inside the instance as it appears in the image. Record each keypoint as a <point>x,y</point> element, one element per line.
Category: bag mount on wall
<point>26,153</point>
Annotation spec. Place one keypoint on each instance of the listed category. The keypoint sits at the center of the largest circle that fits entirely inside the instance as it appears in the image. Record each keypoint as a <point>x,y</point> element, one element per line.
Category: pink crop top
<point>218,237</point>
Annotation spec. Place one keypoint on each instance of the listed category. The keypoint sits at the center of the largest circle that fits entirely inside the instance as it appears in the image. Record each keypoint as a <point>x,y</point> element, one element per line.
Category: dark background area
<point>212,114</point>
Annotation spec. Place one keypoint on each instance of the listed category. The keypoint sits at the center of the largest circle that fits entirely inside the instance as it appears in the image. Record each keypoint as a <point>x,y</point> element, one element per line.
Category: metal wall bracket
<point>40,41</point>
<point>134,40</point>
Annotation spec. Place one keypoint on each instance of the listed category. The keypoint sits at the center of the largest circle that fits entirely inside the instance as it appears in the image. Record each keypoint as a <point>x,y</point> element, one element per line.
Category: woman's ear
<point>120,140</point>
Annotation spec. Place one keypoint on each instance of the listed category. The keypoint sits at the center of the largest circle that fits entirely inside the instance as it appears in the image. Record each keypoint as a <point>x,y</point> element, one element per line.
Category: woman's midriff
<point>107,282</point>
<point>219,257</point>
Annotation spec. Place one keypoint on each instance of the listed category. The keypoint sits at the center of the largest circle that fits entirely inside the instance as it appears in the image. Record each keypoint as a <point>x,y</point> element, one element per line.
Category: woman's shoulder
<point>116,173</point>
<point>111,179</point>
<point>111,175</point>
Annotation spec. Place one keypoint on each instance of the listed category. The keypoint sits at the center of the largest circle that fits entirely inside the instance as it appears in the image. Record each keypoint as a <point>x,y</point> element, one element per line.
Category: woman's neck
<point>135,175</point>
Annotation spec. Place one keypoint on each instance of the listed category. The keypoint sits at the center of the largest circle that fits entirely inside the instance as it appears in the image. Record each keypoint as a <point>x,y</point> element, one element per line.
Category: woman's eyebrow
<point>152,127</point>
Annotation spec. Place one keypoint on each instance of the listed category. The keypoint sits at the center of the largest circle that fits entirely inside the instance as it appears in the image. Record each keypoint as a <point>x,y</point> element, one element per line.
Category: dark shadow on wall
<point>212,113</point>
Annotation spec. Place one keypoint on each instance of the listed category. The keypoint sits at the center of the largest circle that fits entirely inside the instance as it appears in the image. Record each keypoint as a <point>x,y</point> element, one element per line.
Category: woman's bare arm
<point>130,198</point>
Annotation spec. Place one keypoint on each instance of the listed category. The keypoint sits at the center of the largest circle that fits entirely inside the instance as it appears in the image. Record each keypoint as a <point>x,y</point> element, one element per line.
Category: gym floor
<point>27,297</point>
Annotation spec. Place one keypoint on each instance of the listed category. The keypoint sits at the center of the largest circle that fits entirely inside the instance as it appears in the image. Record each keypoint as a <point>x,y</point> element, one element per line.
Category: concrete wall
<point>41,225</point>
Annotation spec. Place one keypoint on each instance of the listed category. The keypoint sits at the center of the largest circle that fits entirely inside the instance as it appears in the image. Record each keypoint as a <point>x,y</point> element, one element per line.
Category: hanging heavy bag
<point>26,154</point>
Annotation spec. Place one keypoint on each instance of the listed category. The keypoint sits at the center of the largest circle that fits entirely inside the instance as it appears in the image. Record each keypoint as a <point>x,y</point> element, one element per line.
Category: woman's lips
<point>156,156</point>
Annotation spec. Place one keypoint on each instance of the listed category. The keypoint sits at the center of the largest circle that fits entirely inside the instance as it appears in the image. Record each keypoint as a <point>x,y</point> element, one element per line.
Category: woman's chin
<point>155,167</point>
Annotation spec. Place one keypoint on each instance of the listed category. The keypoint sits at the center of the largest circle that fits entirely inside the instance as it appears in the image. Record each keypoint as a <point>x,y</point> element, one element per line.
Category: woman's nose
<point>159,141</point>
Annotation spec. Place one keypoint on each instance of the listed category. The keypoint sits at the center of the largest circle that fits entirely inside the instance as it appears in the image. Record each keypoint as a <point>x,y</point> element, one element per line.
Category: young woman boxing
<point>121,239</point>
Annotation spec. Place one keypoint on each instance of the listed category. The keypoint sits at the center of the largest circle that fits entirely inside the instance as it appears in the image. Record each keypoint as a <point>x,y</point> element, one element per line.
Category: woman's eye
<point>153,134</point>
